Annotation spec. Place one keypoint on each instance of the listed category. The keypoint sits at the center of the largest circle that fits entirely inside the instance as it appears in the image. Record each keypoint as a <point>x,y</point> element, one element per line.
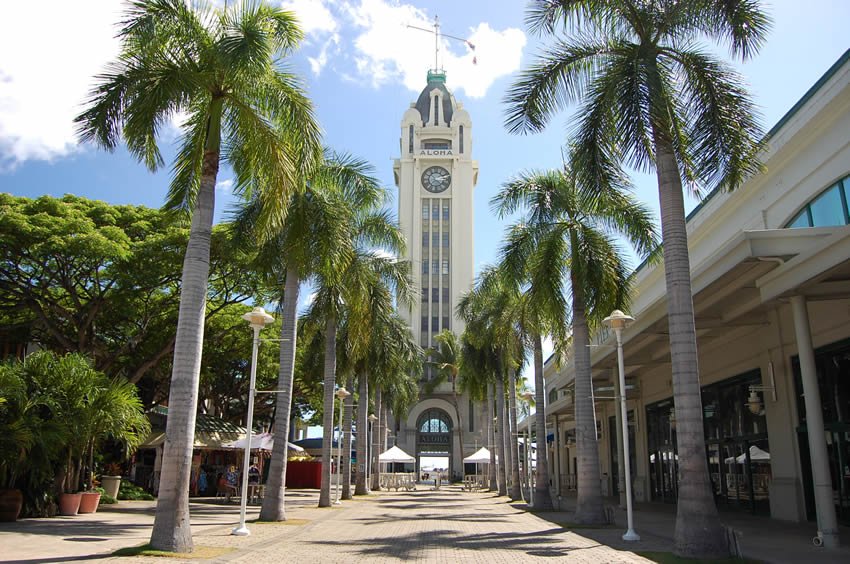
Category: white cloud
<point>224,185</point>
<point>45,75</point>
<point>387,50</point>
<point>313,16</point>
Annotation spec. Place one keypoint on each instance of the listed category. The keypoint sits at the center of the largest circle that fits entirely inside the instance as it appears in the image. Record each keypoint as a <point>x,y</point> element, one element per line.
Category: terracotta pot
<point>110,485</point>
<point>69,504</point>
<point>89,502</point>
<point>11,502</point>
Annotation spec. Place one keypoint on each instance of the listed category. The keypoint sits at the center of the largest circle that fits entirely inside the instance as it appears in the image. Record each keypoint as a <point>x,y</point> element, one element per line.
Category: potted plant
<point>89,501</point>
<point>110,480</point>
<point>31,436</point>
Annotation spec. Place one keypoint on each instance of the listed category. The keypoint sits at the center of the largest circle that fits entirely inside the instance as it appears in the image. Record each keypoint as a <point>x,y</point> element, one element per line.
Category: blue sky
<point>362,68</point>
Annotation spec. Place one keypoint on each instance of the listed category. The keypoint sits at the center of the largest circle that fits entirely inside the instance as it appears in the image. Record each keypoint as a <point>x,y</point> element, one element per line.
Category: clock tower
<point>435,176</point>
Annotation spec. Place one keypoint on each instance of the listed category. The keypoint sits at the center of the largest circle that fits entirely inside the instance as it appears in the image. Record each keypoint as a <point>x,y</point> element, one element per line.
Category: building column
<point>557,443</point>
<point>824,505</point>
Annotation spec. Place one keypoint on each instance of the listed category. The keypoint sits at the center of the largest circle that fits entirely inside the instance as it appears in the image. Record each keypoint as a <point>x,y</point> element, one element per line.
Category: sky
<point>362,67</point>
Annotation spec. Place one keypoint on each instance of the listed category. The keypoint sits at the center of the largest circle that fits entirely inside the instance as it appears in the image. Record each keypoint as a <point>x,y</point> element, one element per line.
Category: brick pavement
<point>422,526</point>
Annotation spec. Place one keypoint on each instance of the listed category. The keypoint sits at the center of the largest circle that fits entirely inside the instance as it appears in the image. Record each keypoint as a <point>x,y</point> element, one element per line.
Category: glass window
<point>423,339</point>
<point>446,295</point>
<point>435,294</point>
<point>425,239</point>
<point>445,266</point>
<point>434,322</point>
<point>846,183</point>
<point>445,322</point>
<point>437,144</point>
<point>424,327</point>
<point>445,239</point>
<point>445,210</point>
<point>802,220</point>
<point>436,266</point>
<point>424,267</point>
<point>424,295</point>
<point>436,110</point>
<point>425,210</point>
<point>434,421</point>
<point>435,239</point>
<point>460,139</point>
<point>435,211</point>
<point>410,139</point>
<point>827,209</point>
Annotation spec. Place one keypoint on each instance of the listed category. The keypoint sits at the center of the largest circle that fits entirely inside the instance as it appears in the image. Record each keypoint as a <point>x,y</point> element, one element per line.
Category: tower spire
<point>437,35</point>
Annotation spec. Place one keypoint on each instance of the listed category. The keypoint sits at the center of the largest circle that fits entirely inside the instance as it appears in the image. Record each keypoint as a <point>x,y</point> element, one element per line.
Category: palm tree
<point>315,232</point>
<point>392,353</point>
<point>572,226</point>
<point>220,67</point>
<point>651,96</point>
<point>445,357</point>
<point>342,290</point>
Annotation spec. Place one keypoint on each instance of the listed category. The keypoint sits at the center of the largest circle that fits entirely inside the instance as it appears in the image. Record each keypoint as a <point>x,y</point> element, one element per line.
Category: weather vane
<point>437,35</point>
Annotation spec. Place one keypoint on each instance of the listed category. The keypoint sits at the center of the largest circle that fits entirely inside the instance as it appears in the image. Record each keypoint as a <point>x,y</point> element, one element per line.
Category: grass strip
<point>200,552</point>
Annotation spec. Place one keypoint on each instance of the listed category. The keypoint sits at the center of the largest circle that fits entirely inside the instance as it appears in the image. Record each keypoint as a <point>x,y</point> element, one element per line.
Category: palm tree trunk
<point>516,489</point>
<point>345,460</point>
<point>506,441</point>
<point>542,497</point>
<point>500,435</point>
<point>491,438</point>
<point>273,508</point>
<point>171,528</point>
<point>459,418</point>
<point>589,509</point>
<point>698,530</point>
<point>376,440</point>
<point>328,415</point>
<point>360,482</point>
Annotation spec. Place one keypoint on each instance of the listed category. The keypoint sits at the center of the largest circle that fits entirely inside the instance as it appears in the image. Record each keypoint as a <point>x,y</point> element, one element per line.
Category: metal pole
<point>528,472</point>
<point>242,529</point>
<point>630,534</point>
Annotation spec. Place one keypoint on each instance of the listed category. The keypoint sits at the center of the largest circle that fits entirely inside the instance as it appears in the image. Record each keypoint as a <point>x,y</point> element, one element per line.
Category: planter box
<point>89,502</point>
<point>110,485</point>
<point>69,504</point>
<point>11,502</point>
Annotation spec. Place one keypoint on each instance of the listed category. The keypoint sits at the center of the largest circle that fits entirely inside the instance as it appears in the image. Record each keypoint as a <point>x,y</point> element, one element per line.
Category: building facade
<point>770,265</point>
<point>435,175</point>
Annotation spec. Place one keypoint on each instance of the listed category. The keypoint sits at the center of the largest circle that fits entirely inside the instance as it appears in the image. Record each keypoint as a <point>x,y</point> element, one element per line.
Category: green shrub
<point>129,490</point>
<point>104,497</point>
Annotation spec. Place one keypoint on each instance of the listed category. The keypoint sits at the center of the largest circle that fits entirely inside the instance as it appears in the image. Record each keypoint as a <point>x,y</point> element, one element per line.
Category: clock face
<point>436,179</point>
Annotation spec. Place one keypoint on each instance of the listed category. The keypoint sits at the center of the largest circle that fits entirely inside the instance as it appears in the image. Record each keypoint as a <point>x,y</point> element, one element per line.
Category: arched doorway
<point>434,441</point>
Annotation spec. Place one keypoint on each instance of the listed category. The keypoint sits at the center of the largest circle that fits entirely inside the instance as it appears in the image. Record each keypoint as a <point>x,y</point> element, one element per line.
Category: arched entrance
<point>434,440</point>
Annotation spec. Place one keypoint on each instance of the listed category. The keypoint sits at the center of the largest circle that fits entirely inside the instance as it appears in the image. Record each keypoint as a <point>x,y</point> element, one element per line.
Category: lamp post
<point>528,396</point>
<point>341,393</point>
<point>257,318</point>
<point>369,453</point>
<point>618,321</point>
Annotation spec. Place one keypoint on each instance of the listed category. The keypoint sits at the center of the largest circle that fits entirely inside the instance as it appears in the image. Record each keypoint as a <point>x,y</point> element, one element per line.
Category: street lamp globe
<point>618,320</point>
<point>258,317</point>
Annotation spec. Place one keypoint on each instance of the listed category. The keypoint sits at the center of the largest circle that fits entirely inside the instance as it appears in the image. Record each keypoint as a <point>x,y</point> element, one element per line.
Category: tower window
<point>425,211</point>
<point>445,210</point>
<point>445,322</point>
<point>460,138</point>
<point>436,110</point>
<point>435,211</point>
<point>424,238</point>
<point>445,295</point>
<point>445,238</point>
<point>424,267</point>
<point>424,295</point>
<point>435,239</point>
<point>434,322</point>
<point>410,139</point>
<point>424,323</point>
<point>445,266</point>
<point>435,294</point>
<point>441,144</point>
<point>436,266</point>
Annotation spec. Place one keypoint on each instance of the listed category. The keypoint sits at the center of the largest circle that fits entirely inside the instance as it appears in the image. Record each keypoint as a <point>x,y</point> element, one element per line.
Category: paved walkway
<point>421,526</point>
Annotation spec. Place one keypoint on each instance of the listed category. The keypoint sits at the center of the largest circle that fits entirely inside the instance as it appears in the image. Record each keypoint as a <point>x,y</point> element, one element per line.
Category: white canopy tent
<point>396,480</point>
<point>756,455</point>
<point>261,441</point>
<point>480,456</point>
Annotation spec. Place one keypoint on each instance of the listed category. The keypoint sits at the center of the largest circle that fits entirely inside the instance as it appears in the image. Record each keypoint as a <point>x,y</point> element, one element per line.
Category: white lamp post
<point>528,396</point>
<point>257,318</point>
<point>618,321</point>
<point>341,393</point>
<point>372,419</point>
